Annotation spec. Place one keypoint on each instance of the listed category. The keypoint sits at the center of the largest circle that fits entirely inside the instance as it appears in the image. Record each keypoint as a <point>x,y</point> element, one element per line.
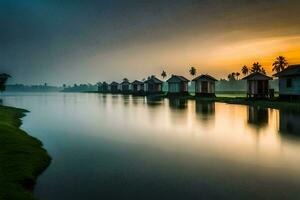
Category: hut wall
<point>210,87</point>
<point>294,89</point>
<point>174,87</point>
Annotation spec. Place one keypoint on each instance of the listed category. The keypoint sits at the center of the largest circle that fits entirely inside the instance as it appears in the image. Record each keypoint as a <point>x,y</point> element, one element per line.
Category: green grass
<point>22,157</point>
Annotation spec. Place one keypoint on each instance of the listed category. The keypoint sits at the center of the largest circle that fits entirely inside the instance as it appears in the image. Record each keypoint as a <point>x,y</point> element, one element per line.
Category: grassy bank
<point>22,157</point>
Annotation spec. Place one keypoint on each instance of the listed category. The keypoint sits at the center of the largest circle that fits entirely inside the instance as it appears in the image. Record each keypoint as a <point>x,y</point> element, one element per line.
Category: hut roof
<point>136,82</point>
<point>289,71</point>
<point>114,83</point>
<point>125,82</point>
<point>177,79</point>
<point>205,77</point>
<point>154,80</point>
<point>257,76</point>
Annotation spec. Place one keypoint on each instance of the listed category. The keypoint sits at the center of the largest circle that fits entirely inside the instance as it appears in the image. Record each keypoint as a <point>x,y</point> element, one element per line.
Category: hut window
<point>288,82</point>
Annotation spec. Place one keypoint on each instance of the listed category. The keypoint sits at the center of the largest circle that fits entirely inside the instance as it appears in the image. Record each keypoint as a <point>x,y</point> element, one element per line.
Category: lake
<point>125,147</point>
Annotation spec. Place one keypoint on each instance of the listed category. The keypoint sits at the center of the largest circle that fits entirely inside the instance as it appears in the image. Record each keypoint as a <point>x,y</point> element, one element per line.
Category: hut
<point>125,86</point>
<point>205,85</point>
<point>257,85</point>
<point>177,85</point>
<point>153,85</point>
<point>99,86</point>
<point>289,82</point>
<point>114,87</point>
<point>137,86</point>
<point>104,87</point>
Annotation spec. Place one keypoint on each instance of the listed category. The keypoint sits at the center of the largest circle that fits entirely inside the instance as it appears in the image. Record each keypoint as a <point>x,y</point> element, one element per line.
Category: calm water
<point>123,147</point>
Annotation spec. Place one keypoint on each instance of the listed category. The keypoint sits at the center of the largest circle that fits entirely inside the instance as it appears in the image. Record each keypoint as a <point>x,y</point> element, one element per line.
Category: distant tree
<point>279,64</point>
<point>193,71</point>
<point>263,71</point>
<point>245,70</point>
<point>125,79</point>
<point>256,67</point>
<point>237,74</point>
<point>3,79</point>
<point>64,85</point>
<point>164,74</point>
<point>231,77</point>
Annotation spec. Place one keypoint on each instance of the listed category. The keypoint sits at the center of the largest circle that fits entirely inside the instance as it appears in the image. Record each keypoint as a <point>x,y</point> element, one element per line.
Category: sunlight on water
<point>214,146</point>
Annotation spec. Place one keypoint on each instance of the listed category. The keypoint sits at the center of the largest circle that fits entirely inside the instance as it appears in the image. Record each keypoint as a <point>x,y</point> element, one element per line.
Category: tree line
<point>279,64</point>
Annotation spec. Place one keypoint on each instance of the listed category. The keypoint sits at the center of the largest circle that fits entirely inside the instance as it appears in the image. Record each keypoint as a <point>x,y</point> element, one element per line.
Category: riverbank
<point>22,157</point>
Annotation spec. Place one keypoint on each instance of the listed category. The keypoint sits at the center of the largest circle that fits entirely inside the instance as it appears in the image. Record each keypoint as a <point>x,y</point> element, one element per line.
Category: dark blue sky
<point>58,41</point>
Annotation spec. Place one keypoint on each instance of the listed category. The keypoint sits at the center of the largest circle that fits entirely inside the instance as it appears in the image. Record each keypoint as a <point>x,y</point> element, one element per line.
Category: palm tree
<point>3,79</point>
<point>164,74</point>
<point>263,71</point>
<point>279,64</point>
<point>245,70</point>
<point>256,67</point>
<point>237,74</point>
<point>193,71</point>
<point>231,77</point>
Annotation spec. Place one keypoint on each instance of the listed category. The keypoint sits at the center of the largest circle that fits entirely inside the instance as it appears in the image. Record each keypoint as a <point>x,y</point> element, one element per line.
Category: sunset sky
<point>73,41</point>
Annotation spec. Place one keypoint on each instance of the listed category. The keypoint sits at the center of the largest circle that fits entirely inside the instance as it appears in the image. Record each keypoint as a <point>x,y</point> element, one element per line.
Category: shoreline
<point>22,157</point>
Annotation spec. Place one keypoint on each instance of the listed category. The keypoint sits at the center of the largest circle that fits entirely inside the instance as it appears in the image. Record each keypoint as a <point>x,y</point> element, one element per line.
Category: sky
<point>86,41</point>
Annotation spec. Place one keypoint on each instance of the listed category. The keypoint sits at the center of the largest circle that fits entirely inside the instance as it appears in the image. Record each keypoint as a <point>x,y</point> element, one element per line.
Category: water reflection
<point>258,116</point>
<point>289,122</point>
<point>154,101</point>
<point>177,103</point>
<point>152,148</point>
<point>205,110</point>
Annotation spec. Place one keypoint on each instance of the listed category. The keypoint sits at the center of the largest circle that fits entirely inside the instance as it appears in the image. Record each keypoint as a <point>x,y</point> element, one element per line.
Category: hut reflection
<point>289,122</point>
<point>205,109</point>
<point>126,99</point>
<point>177,103</point>
<point>154,101</point>
<point>258,116</point>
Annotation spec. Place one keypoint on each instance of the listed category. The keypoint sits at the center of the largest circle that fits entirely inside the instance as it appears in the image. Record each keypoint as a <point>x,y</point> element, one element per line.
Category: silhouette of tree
<point>193,71</point>
<point>125,80</point>
<point>237,74</point>
<point>263,71</point>
<point>3,79</point>
<point>256,67</point>
<point>279,64</point>
<point>231,77</point>
<point>245,70</point>
<point>164,74</point>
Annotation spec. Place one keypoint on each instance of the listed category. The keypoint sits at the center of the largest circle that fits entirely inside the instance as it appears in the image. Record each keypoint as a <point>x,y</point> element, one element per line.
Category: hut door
<point>204,86</point>
<point>260,87</point>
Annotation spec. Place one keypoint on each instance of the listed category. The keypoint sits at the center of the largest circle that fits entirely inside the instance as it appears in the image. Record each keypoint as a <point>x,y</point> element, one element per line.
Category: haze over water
<point>124,147</point>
